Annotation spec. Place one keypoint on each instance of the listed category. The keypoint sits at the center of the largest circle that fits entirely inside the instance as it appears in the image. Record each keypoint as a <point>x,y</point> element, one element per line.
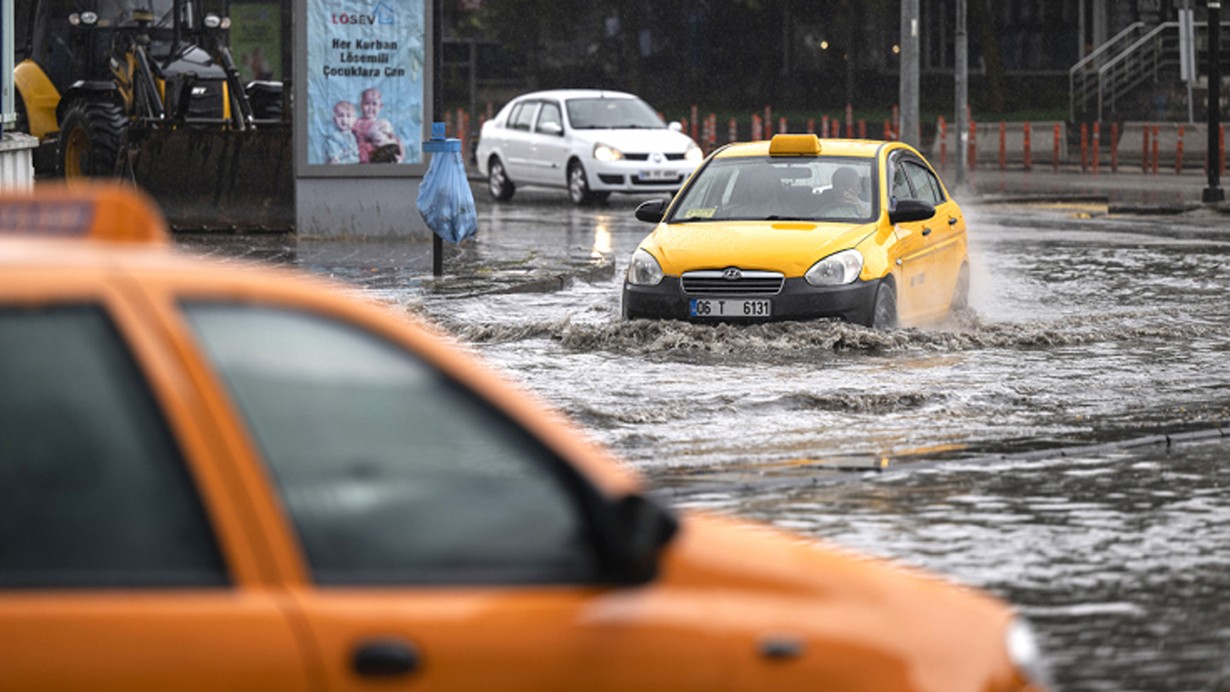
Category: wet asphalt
<point>1060,444</point>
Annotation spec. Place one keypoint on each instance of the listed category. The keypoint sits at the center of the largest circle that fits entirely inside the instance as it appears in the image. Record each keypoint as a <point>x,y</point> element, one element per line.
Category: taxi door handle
<point>385,658</point>
<point>926,231</point>
<point>952,221</point>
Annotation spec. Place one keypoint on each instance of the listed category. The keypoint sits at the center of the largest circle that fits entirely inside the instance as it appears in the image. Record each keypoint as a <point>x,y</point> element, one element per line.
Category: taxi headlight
<point>1024,652</point>
<point>212,21</point>
<point>644,269</point>
<point>694,154</point>
<point>836,269</point>
<point>603,152</point>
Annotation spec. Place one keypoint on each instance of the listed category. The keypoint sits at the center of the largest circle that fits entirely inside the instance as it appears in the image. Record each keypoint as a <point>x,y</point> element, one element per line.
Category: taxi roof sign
<point>794,145</point>
<point>83,211</point>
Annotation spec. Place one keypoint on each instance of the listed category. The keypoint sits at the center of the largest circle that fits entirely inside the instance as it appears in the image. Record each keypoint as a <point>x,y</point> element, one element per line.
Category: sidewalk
<point>1127,191</point>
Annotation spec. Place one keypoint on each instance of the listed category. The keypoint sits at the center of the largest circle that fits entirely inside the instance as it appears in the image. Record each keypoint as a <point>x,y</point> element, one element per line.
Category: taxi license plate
<point>730,307</point>
<point>658,175</point>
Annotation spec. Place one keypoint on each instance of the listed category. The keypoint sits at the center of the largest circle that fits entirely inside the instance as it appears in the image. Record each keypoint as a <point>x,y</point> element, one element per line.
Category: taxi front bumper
<point>798,300</point>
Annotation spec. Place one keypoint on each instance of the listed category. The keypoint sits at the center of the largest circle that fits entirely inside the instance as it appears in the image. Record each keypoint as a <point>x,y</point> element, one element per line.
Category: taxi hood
<point>790,247</point>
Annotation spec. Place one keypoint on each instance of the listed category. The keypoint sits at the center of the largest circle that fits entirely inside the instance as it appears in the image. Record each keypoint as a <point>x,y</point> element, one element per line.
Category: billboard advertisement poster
<point>365,82</point>
<point>256,40</point>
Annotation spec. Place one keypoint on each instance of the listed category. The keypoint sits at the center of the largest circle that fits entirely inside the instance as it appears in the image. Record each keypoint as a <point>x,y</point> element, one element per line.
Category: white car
<point>589,141</point>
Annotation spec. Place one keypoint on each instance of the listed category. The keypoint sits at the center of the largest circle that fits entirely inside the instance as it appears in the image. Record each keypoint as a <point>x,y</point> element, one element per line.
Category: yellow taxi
<point>220,476</point>
<point>798,228</point>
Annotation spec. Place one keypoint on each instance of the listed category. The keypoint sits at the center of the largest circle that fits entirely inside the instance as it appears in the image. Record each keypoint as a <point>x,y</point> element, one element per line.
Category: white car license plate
<point>730,307</point>
<point>659,175</point>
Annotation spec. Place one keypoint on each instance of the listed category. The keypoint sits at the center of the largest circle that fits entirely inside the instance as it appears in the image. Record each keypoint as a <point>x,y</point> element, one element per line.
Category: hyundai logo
<point>732,274</point>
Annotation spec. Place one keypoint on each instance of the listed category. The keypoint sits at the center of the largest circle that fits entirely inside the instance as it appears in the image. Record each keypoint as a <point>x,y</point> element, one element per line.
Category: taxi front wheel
<point>884,314</point>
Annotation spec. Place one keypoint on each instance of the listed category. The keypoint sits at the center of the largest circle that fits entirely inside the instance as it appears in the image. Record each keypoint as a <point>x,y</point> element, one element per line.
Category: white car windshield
<point>779,189</point>
<point>612,114</point>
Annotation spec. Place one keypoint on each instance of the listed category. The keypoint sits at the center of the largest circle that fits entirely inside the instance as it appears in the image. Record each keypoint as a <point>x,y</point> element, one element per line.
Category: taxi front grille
<point>725,281</point>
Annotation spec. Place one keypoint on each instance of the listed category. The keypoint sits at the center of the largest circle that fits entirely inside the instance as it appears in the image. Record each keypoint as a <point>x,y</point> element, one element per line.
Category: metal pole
<point>1214,193</point>
<point>909,72</point>
<point>437,111</point>
<point>961,79</point>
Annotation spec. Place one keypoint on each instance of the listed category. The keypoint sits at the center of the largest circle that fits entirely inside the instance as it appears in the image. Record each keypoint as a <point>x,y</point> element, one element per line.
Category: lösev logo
<point>382,13</point>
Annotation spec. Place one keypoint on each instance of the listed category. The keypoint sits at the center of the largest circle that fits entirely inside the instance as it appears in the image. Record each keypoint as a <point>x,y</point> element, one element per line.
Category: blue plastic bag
<point>445,201</point>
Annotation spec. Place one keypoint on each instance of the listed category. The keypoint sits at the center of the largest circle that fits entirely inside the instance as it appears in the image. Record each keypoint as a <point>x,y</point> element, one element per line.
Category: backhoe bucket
<point>210,180</point>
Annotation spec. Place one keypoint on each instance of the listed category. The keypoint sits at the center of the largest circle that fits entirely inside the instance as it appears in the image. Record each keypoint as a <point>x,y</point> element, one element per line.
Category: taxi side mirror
<point>643,527</point>
<point>910,210</point>
<point>652,211</point>
<point>553,129</point>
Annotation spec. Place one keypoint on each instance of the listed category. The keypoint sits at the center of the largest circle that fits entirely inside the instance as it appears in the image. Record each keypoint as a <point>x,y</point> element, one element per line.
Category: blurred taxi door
<point>124,563</point>
<point>442,545</point>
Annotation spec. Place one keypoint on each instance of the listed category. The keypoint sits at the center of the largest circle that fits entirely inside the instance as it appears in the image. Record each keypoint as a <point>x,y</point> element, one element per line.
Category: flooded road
<point>1085,329</point>
<point>1019,448</point>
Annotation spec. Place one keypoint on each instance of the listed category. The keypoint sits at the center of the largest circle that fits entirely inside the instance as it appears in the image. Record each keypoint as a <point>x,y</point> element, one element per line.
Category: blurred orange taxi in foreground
<point>221,476</point>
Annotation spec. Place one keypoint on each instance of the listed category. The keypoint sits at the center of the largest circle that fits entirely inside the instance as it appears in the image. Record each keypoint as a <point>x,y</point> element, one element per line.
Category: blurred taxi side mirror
<point>643,527</point>
<point>553,129</point>
<point>910,210</point>
<point>676,126</point>
<point>652,211</point>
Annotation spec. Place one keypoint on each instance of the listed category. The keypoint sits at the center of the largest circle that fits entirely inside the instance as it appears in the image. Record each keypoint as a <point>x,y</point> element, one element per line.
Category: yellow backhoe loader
<point>147,90</point>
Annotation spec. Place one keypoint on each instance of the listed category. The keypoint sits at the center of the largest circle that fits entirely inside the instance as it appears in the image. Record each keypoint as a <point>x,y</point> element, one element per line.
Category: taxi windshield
<point>612,114</point>
<point>762,188</point>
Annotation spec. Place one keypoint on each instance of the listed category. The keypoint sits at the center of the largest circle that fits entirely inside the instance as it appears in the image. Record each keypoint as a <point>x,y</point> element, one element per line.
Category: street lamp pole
<point>1214,194</point>
<point>909,72</point>
<point>961,77</point>
<point>437,111</point>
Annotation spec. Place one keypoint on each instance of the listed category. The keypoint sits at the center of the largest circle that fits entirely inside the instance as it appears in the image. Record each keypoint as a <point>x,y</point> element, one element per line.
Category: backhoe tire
<point>91,136</point>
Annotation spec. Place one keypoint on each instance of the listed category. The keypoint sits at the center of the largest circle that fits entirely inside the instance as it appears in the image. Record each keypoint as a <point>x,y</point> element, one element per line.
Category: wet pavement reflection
<point>926,445</point>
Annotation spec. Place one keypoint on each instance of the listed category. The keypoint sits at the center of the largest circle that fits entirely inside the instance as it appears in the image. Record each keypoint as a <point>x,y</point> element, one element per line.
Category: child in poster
<point>341,146</point>
<point>378,141</point>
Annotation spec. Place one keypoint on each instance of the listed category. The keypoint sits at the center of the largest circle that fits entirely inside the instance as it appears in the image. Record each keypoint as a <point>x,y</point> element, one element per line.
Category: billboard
<point>365,74</point>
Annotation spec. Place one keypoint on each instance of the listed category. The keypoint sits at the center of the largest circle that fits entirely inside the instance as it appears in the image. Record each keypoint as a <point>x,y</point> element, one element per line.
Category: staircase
<point>1104,82</point>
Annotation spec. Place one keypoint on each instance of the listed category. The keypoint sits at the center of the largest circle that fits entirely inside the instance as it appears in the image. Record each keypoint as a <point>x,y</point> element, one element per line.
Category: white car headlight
<point>644,269</point>
<point>837,269</point>
<point>694,154</point>
<point>1025,654</point>
<point>603,152</point>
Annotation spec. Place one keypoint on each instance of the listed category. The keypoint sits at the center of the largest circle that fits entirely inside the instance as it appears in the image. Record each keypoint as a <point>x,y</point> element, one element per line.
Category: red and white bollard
<point>941,127</point>
<point>1028,147</point>
<point>1114,147</point>
<point>1003,145</point>
<point>1096,146</point>
<point>1178,152</point>
<point>973,145</point>
<point>1055,150</point>
<point>1156,138</point>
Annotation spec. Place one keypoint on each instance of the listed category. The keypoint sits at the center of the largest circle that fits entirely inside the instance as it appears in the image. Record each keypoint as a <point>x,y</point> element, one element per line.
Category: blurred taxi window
<point>391,472</point>
<point>93,490</point>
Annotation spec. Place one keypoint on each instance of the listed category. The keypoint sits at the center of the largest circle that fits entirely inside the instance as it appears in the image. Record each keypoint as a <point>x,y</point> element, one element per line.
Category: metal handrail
<point>1136,53</point>
<point>1141,52</point>
<point>1079,67</point>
